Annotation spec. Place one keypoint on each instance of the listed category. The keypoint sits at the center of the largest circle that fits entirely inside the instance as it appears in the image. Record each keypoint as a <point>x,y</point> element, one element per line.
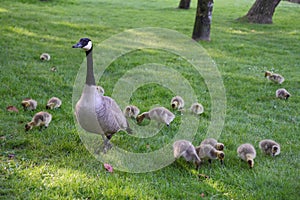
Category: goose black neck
<point>90,79</point>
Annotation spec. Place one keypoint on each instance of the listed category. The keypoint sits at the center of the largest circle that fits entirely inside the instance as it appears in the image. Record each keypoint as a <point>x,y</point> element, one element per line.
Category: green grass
<point>54,163</point>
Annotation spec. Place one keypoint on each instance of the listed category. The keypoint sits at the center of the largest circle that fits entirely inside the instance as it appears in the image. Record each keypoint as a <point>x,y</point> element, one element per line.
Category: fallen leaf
<point>12,109</point>
<point>108,167</point>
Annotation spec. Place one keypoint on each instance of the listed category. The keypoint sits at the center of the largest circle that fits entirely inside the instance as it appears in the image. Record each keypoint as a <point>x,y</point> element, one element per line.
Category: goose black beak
<point>78,45</point>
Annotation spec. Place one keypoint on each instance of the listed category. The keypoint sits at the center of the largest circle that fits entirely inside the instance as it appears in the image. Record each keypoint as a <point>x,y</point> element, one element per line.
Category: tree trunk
<point>262,12</point>
<point>184,4</point>
<point>203,20</point>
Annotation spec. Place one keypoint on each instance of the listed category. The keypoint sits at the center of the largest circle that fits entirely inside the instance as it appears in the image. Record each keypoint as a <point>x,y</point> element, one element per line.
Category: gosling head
<point>50,106</point>
<point>85,44</point>
<point>275,150</point>
<point>45,56</point>
<point>140,118</point>
<point>28,126</point>
<point>250,163</point>
<point>220,146</point>
<point>25,104</point>
<point>221,156</point>
<point>174,104</point>
<point>267,73</point>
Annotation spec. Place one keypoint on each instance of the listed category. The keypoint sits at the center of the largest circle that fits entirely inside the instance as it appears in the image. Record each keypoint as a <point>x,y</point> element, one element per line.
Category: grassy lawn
<point>55,164</point>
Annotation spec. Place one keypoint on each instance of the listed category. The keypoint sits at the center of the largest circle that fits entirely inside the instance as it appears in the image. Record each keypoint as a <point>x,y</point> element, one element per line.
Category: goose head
<point>85,44</point>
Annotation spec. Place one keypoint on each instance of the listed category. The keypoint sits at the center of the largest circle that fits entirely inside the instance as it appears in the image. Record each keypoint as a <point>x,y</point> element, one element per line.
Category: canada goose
<point>45,56</point>
<point>276,78</point>
<point>197,108</point>
<point>209,152</point>
<point>159,114</point>
<point>187,150</point>
<point>97,113</point>
<point>100,90</point>
<point>282,93</point>
<point>269,147</point>
<point>131,111</point>
<point>40,119</point>
<point>247,153</point>
<point>53,103</point>
<point>213,142</point>
<point>177,102</point>
<point>29,104</point>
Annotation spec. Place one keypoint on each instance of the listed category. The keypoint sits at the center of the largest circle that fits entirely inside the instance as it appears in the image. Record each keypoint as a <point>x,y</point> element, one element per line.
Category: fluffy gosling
<point>159,114</point>
<point>131,111</point>
<point>197,108</point>
<point>276,78</point>
<point>45,56</point>
<point>269,147</point>
<point>282,94</point>
<point>40,119</point>
<point>213,142</point>
<point>100,90</point>
<point>247,153</point>
<point>187,150</point>
<point>29,104</point>
<point>177,102</point>
<point>53,103</point>
<point>208,151</point>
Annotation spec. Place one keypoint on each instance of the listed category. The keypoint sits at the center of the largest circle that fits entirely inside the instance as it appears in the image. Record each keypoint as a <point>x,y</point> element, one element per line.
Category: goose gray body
<point>282,93</point>
<point>207,151</point>
<point>269,147</point>
<point>94,112</point>
<point>53,103</point>
<point>213,142</point>
<point>29,104</point>
<point>187,150</point>
<point>159,114</point>
<point>276,78</point>
<point>131,111</point>
<point>247,153</point>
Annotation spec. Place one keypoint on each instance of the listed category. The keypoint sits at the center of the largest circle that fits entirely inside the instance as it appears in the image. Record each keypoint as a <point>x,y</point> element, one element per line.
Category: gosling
<point>45,57</point>
<point>247,153</point>
<point>159,114</point>
<point>269,147</point>
<point>197,108</point>
<point>276,78</point>
<point>213,142</point>
<point>282,94</point>
<point>29,104</point>
<point>187,150</point>
<point>177,102</point>
<point>53,103</point>
<point>131,111</point>
<point>100,90</point>
<point>207,151</point>
<point>40,119</point>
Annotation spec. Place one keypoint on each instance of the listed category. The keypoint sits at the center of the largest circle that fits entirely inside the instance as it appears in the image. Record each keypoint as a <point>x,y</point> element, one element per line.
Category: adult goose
<point>97,113</point>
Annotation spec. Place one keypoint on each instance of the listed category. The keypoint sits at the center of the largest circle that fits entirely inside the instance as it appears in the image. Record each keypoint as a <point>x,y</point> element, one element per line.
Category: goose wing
<point>110,116</point>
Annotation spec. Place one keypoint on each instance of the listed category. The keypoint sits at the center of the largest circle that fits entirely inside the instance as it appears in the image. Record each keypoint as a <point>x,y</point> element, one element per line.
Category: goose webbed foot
<point>107,146</point>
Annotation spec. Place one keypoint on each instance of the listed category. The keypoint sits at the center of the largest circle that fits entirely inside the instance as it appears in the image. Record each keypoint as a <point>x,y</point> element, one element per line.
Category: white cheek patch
<point>88,46</point>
